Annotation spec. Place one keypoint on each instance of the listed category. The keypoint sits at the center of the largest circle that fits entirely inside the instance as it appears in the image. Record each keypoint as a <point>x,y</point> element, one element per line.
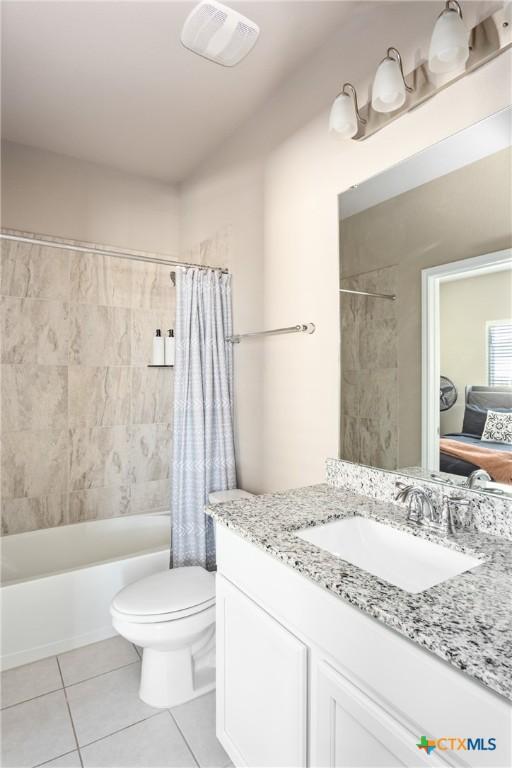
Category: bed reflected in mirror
<point>467,347</point>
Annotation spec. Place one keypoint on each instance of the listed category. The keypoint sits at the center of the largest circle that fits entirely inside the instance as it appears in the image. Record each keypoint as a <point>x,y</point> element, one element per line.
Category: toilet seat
<point>167,596</point>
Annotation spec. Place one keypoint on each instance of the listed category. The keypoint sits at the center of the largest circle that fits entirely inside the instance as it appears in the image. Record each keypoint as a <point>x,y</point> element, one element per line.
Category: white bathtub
<point>57,583</point>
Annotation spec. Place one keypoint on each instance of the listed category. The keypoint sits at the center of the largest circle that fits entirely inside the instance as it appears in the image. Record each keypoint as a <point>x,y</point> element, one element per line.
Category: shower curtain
<point>203,453</point>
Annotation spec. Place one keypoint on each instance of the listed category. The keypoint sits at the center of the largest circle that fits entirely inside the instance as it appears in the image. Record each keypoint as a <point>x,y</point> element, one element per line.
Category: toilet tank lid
<point>174,590</point>
<point>219,497</point>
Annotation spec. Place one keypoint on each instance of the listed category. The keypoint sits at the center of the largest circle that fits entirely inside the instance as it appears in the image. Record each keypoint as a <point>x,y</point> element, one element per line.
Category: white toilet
<point>171,616</point>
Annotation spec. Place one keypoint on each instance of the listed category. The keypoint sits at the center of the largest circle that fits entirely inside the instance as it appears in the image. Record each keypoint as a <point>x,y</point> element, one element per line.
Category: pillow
<point>498,427</point>
<point>475,418</point>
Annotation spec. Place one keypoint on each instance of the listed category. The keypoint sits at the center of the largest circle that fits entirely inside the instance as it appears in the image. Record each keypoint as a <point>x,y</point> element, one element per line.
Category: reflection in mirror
<point>426,312</point>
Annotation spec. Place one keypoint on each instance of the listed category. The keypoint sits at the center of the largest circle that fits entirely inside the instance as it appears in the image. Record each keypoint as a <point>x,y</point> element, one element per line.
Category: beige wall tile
<point>150,452</point>
<point>34,463</point>
<point>99,396</point>
<point>350,438</point>
<point>34,271</point>
<point>379,444</point>
<point>100,335</point>
<point>77,331</point>
<point>151,497</point>
<point>349,318</point>
<point>98,456</point>
<point>34,397</point>
<point>153,289</point>
<point>377,320</point>
<point>378,396</point>
<point>152,393</point>
<point>102,280</point>
<point>98,503</point>
<point>21,515</point>
<point>144,325</point>
<point>34,331</point>
<point>350,383</point>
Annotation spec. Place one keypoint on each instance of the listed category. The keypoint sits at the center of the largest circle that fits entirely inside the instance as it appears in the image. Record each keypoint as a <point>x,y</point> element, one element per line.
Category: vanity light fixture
<point>389,87</point>
<point>455,51</point>
<point>449,46</point>
<point>345,117</point>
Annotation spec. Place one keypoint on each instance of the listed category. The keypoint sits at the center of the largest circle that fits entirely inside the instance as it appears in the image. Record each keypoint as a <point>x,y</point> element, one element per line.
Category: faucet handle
<point>458,513</point>
<point>402,490</point>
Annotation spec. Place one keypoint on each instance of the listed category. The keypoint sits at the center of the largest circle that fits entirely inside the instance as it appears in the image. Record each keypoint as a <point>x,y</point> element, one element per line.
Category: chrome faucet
<point>416,500</point>
<point>452,515</point>
<point>477,474</point>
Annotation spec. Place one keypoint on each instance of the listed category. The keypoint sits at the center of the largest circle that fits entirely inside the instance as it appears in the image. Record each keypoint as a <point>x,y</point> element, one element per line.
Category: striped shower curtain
<point>203,451</point>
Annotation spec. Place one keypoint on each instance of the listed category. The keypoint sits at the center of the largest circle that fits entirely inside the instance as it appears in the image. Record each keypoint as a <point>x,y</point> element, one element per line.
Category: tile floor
<point>81,710</point>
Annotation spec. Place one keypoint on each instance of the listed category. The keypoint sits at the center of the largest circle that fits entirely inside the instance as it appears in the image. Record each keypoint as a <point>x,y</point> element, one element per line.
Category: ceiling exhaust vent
<point>218,33</point>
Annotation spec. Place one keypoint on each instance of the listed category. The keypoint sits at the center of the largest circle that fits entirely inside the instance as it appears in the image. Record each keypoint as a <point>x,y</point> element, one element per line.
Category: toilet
<point>171,616</point>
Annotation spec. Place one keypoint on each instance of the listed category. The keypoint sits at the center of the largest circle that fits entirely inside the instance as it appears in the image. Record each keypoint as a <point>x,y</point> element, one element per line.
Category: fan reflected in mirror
<point>448,392</point>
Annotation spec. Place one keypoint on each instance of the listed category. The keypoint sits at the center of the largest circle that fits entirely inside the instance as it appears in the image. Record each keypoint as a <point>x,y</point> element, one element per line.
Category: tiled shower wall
<point>369,370</point>
<point>86,425</point>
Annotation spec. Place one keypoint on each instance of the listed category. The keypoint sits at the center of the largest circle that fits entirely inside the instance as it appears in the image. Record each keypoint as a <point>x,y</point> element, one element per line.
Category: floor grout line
<point>58,757</point>
<point>184,738</point>
<point>102,674</point>
<point>70,715</point>
<point>79,747</point>
<point>124,728</point>
<point>25,701</point>
<point>137,651</point>
<point>64,686</point>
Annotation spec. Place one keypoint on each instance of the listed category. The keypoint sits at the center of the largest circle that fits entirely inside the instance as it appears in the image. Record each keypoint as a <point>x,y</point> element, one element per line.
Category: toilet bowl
<point>171,616</point>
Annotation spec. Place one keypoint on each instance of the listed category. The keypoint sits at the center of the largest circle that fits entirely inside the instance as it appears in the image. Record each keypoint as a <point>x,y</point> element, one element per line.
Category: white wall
<point>489,297</point>
<point>233,198</point>
<point>303,176</point>
<point>57,195</point>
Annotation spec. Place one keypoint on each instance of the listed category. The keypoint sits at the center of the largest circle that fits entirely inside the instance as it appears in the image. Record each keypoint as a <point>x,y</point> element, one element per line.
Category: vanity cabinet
<point>261,684</point>
<point>304,679</point>
<point>349,730</point>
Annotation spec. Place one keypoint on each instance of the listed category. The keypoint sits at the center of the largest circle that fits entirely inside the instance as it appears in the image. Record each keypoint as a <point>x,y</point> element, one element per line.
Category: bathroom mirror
<point>426,312</point>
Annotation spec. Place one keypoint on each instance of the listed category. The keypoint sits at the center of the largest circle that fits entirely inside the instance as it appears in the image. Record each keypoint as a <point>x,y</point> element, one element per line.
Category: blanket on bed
<point>497,463</point>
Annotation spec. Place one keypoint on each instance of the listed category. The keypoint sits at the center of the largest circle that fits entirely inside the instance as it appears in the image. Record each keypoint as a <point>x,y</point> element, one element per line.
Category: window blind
<point>499,348</point>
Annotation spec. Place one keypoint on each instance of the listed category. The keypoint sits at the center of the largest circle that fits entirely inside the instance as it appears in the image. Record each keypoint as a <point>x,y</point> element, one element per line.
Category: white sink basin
<point>407,561</point>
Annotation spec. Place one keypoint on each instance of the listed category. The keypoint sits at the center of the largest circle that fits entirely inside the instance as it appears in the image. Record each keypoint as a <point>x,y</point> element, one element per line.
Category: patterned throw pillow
<point>498,427</point>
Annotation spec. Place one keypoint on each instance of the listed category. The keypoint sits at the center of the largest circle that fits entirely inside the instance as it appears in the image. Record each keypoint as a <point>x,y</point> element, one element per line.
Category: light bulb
<point>449,46</point>
<point>343,118</point>
<point>388,92</point>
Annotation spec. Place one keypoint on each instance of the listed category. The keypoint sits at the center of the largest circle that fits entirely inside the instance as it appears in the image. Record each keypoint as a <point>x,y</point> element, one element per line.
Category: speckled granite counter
<point>466,620</point>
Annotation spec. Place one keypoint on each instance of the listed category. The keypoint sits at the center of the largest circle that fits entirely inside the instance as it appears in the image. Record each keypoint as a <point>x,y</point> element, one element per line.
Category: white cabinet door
<point>261,684</point>
<point>350,730</point>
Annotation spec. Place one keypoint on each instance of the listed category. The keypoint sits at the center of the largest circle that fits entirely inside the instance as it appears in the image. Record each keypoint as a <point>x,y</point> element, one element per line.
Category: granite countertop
<point>465,621</point>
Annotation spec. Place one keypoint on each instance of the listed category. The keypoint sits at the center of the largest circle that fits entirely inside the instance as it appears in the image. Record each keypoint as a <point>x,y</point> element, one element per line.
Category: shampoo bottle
<point>158,348</point>
<point>169,347</point>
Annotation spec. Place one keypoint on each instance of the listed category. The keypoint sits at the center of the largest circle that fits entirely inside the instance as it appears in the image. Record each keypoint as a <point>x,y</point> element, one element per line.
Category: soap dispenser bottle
<point>158,348</point>
<point>169,347</point>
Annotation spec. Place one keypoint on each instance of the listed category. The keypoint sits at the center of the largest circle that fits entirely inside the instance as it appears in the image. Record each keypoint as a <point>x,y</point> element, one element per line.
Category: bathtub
<point>57,583</point>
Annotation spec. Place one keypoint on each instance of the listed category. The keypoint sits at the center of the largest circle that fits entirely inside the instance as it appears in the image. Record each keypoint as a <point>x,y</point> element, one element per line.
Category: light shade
<point>343,118</point>
<point>388,92</point>
<point>449,46</point>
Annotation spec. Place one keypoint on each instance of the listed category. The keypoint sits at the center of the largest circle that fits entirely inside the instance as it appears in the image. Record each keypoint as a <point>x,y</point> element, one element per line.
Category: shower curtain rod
<point>390,296</point>
<point>114,253</point>
<point>300,328</point>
